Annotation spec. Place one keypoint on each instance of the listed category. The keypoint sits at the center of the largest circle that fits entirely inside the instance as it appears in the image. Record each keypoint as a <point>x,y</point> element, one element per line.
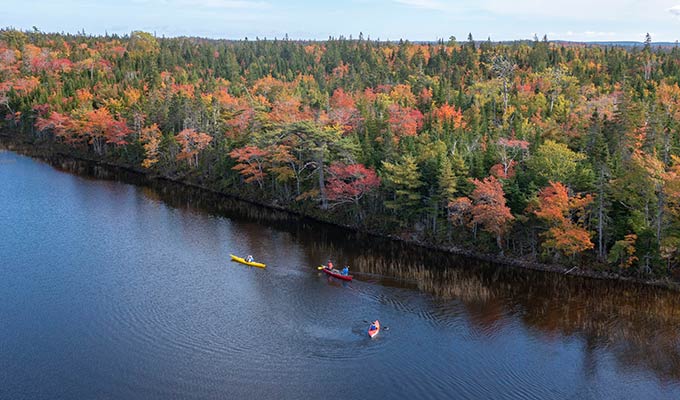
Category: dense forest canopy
<point>558,152</point>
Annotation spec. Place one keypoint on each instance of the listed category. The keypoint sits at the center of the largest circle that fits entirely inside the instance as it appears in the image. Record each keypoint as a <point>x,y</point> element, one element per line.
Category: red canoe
<point>335,273</point>
<point>374,328</point>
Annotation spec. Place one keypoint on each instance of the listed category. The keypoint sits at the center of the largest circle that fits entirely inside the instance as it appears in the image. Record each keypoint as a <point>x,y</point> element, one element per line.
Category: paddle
<point>382,327</point>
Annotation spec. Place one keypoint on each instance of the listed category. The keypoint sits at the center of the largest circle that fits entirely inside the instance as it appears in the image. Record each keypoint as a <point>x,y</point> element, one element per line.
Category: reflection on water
<point>639,325</point>
<point>127,292</point>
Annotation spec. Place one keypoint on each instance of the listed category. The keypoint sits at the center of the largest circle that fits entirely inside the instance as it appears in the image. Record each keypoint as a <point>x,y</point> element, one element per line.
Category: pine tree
<point>403,179</point>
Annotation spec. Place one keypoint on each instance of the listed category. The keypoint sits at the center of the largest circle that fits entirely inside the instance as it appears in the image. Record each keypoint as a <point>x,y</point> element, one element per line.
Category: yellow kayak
<point>243,261</point>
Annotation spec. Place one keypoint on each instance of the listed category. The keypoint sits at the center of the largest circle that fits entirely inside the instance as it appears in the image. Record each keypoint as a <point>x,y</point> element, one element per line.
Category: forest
<point>561,153</point>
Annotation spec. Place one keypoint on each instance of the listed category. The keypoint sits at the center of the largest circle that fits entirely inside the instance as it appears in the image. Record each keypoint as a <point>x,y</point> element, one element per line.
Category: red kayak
<point>374,328</point>
<point>335,273</point>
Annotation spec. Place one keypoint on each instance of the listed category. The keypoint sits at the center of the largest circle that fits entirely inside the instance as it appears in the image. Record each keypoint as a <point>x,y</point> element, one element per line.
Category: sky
<point>573,20</point>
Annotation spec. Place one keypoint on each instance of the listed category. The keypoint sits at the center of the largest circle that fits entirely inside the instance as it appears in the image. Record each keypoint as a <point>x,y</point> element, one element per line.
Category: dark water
<point>110,290</point>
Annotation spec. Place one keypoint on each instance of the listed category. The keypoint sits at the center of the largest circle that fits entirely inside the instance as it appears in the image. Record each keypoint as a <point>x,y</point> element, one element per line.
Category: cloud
<point>585,36</point>
<point>225,3</point>
<point>588,34</point>
<point>424,4</point>
<point>565,9</point>
<point>675,10</point>
<point>599,34</point>
<point>215,4</point>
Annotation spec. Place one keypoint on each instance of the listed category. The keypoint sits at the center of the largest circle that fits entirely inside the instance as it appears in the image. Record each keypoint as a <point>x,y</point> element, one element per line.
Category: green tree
<point>556,162</point>
<point>316,146</point>
<point>402,179</point>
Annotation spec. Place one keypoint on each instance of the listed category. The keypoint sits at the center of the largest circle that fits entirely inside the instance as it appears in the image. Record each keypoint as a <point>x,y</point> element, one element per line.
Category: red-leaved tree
<point>343,111</point>
<point>404,121</point>
<point>59,124</point>
<point>349,183</point>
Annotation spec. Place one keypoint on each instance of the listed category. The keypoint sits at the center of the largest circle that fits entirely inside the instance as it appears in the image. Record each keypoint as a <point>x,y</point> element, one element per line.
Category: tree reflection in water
<point>638,324</point>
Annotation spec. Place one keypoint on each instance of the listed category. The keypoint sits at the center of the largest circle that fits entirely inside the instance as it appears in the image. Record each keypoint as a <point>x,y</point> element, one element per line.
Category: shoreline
<point>48,154</point>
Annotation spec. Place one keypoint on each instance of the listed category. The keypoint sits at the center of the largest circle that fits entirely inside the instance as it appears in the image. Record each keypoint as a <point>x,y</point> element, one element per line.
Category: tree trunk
<point>98,145</point>
<point>659,213</point>
<point>552,102</point>
<point>505,97</point>
<point>322,184</point>
<point>600,218</point>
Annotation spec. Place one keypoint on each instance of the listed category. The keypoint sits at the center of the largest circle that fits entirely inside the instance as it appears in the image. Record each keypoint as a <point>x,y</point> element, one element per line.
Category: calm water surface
<point>110,290</point>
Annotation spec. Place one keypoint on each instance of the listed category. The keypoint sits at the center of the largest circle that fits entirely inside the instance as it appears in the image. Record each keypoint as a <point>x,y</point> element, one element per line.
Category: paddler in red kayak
<point>374,328</point>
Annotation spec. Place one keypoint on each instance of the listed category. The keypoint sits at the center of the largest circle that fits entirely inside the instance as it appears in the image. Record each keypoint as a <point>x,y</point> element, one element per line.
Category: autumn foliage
<point>250,163</point>
<point>102,128</point>
<point>404,121</point>
<point>571,149</point>
<point>343,111</point>
<point>489,209</point>
<point>564,215</point>
<point>56,122</point>
<point>349,183</point>
<point>96,127</point>
<point>150,138</point>
<point>191,144</point>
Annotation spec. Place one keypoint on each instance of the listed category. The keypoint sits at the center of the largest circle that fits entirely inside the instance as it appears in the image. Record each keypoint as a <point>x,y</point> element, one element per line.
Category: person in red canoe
<point>373,327</point>
<point>345,271</point>
<point>330,265</point>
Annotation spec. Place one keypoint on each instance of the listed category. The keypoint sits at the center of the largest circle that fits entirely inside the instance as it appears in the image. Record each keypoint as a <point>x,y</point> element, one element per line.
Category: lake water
<point>115,288</point>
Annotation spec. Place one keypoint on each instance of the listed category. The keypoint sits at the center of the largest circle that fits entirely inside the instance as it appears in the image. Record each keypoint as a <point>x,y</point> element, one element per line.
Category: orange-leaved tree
<point>101,128</point>
<point>489,209</point>
<point>150,138</point>
<point>448,115</point>
<point>565,217</point>
<point>250,163</point>
<point>192,143</point>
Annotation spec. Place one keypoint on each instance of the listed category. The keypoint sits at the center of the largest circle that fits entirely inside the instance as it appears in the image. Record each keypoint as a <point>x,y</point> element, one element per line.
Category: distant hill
<point>619,43</point>
<point>625,44</point>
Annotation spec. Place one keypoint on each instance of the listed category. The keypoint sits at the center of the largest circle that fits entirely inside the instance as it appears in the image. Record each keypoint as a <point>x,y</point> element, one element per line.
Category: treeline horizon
<point>351,37</point>
<point>538,150</point>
